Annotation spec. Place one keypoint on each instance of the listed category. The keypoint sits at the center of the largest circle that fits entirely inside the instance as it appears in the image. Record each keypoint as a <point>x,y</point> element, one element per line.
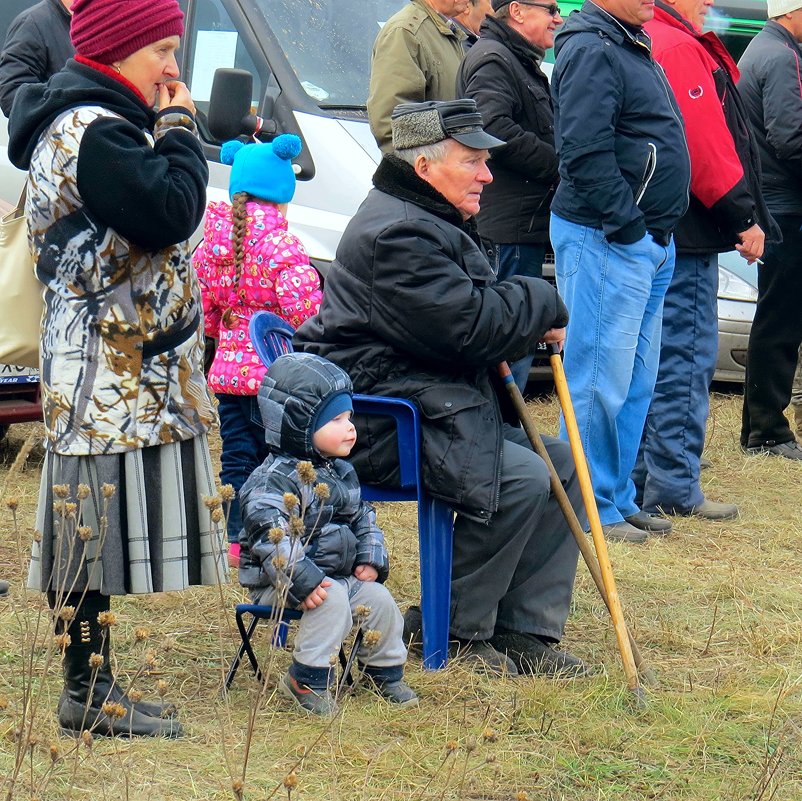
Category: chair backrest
<point>271,336</point>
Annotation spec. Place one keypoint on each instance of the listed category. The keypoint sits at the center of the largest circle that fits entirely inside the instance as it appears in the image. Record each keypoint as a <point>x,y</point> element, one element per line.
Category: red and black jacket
<point>725,165</point>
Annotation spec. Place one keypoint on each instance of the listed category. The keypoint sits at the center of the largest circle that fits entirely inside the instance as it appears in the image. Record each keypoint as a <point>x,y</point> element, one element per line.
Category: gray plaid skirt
<point>152,533</point>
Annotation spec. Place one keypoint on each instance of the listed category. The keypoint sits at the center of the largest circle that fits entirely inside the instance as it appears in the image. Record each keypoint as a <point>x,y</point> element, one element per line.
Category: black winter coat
<point>501,72</point>
<point>37,46</point>
<point>772,92</point>
<point>412,309</point>
<point>624,165</point>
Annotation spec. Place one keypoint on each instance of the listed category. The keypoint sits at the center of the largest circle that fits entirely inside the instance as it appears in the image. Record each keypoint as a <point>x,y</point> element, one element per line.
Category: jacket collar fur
<point>397,178</point>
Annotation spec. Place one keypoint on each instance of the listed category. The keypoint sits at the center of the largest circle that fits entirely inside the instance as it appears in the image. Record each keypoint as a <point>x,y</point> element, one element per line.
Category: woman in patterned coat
<point>114,191</point>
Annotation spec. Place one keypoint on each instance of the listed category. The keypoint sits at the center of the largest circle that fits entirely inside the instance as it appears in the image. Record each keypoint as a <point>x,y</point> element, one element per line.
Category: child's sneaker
<point>316,701</point>
<point>398,692</point>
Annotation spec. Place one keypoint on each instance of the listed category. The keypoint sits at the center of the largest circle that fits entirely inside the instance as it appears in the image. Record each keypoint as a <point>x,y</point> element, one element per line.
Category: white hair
<point>434,152</point>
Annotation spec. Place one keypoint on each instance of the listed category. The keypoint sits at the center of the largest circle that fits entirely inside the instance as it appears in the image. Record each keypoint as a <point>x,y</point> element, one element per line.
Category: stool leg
<point>435,531</point>
<point>347,664</point>
<point>246,646</point>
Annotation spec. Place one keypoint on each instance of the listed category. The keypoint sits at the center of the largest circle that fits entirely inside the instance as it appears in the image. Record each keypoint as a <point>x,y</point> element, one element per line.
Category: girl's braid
<point>239,220</point>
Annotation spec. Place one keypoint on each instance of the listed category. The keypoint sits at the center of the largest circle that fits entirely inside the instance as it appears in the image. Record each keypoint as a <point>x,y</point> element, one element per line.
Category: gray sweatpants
<point>517,572</point>
<point>321,631</point>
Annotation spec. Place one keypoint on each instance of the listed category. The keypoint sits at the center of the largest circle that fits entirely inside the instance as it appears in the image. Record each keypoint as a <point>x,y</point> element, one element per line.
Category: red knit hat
<point>111,30</point>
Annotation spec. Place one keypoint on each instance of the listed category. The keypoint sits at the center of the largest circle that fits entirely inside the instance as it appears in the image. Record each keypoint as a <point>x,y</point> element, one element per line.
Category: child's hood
<point>292,393</point>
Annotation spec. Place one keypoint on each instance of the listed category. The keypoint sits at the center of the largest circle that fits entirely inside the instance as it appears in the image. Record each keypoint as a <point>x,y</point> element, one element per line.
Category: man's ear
<point>422,167</point>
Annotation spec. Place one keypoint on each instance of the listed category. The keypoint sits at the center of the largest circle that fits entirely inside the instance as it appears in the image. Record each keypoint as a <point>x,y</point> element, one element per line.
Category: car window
<point>329,43</point>
<point>212,41</point>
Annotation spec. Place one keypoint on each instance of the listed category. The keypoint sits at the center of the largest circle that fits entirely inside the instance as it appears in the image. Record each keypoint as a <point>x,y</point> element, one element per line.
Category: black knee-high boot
<point>78,708</point>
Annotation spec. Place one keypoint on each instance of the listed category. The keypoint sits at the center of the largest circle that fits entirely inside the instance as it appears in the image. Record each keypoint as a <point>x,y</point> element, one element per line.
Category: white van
<point>310,66</point>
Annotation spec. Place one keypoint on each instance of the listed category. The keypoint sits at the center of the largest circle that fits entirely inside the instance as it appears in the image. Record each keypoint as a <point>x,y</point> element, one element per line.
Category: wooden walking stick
<point>630,653</point>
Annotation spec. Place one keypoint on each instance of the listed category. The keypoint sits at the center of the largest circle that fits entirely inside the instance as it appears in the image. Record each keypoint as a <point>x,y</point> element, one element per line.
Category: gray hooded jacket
<point>340,531</point>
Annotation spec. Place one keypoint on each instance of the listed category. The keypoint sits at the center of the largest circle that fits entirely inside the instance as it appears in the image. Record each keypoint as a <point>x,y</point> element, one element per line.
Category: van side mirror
<point>230,107</point>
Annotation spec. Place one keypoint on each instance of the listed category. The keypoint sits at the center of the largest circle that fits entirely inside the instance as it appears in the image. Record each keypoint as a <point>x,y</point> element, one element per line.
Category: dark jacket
<point>470,37</point>
<point>412,309</point>
<point>772,93</point>
<point>624,165</point>
<point>340,530</point>
<point>725,165</point>
<point>501,72</point>
<point>37,46</point>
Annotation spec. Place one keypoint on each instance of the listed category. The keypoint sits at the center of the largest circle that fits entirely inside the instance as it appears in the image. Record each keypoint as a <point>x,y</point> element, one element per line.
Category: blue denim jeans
<point>244,448</point>
<point>614,295</point>
<point>513,260</point>
<point>667,472</point>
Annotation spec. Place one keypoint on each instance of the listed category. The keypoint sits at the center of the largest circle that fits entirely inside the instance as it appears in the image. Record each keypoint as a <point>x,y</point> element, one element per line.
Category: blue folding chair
<point>271,337</point>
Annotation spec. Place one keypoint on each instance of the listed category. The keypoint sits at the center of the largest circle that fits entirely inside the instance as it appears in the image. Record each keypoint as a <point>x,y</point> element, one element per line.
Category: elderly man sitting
<point>412,309</point>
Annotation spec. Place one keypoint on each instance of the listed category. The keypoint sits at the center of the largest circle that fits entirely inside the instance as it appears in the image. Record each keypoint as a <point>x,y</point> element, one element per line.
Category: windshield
<point>328,43</point>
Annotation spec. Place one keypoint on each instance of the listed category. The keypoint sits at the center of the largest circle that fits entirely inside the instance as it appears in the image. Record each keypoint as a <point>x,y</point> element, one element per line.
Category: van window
<point>328,43</point>
<point>212,42</point>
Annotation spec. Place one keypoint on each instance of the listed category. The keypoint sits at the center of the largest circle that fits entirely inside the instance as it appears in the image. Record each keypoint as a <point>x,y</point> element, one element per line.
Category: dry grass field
<point>715,609</point>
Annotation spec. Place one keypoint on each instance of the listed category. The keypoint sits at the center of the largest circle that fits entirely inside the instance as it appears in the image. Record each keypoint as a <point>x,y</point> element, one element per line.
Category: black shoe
<point>92,699</point>
<point>149,708</point>
<point>413,630</point>
<point>623,532</point>
<point>110,719</point>
<point>3,588</point>
<point>788,450</point>
<point>705,463</point>
<point>482,656</point>
<point>532,656</point>
<point>651,523</point>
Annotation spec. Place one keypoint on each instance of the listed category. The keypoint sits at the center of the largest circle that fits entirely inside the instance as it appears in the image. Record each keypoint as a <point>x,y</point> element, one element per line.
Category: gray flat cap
<point>419,124</point>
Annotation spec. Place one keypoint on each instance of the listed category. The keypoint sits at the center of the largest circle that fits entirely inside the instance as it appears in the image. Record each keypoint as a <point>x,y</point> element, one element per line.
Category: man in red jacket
<point>726,211</point>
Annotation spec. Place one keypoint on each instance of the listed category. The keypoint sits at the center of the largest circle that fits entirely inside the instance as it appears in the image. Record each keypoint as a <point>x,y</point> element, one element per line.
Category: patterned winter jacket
<point>276,276</point>
<point>339,528</point>
<point>114,193</point>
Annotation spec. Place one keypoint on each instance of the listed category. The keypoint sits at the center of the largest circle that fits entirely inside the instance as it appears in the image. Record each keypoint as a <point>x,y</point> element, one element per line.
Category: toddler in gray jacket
<point>309,541</point>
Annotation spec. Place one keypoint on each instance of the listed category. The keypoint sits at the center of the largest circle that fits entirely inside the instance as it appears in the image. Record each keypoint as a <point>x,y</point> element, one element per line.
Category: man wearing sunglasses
<point>624,179</point>
<point>502,73</point>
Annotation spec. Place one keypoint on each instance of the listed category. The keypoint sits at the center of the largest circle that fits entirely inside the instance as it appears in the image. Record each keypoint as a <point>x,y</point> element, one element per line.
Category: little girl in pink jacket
<point>247,262</point>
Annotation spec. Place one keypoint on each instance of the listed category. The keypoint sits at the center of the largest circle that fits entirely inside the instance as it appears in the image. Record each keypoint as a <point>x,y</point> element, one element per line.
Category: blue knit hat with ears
<point>262,169</point>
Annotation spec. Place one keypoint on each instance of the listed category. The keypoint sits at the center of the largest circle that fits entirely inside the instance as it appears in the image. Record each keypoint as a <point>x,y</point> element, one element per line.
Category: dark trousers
<point>667,471</point>
<point>244,448</point>
<point>517,572</point>
<point>775,339</point>
<point>514,259</point>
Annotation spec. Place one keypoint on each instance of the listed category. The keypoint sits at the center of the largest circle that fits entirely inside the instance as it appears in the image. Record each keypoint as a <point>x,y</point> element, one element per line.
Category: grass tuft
<point>715,609</point>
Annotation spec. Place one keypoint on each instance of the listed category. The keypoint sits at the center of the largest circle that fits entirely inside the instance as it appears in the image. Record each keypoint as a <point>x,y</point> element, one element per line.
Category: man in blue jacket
<point>624,178</point>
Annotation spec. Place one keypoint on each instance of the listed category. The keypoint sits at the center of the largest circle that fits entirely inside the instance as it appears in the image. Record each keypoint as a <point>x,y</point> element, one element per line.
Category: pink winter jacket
<point>276,276</point>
